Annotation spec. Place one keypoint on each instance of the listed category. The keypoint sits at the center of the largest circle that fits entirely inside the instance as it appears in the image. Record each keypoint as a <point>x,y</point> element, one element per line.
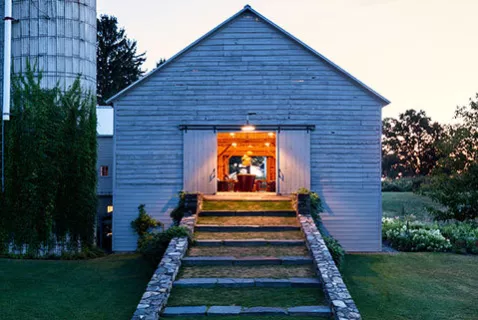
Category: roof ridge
<point>247,7</point>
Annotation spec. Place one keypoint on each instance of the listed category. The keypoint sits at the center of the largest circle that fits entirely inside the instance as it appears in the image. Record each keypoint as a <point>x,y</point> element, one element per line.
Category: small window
<point>109,209</point>
<point>104,171</point>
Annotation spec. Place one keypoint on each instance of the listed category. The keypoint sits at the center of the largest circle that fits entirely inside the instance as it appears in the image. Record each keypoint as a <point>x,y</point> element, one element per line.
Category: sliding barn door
<point>200,161</point>
<point>293,148</point>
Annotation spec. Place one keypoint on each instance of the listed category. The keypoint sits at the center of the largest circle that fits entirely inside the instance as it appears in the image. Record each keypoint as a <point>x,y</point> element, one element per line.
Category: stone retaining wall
<point>341,302</point>
<point>159,287</point>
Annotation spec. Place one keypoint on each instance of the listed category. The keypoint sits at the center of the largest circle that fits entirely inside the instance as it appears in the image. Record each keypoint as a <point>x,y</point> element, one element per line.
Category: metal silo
<point>59,36</point>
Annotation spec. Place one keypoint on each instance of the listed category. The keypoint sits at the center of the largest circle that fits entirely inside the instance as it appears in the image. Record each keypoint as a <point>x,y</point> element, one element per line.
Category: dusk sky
<point>420,54</point>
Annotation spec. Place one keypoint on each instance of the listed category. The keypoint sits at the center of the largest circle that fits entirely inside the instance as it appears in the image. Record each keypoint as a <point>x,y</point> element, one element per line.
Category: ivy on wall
<point>50,166</point>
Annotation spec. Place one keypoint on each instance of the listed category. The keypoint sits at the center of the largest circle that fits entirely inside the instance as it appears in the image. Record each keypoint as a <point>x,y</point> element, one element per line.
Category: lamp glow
<point>248,128</point>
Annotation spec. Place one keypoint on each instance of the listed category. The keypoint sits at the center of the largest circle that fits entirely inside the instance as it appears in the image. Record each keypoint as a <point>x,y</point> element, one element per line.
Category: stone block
<point>196,283</point>
<point>305,282</point>
<point>205,261</point>
<point>309,311</point>
<point>252,261</point>
<point>272,283</point>
<point>184,311</point>
<point>224,311</point>
<point>235,282</point>
<point>296,260</point>
<point>263,311</point>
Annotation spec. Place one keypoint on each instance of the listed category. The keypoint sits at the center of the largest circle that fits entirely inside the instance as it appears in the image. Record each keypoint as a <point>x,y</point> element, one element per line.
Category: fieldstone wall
<point>159,287</point>
<point>341,302</point>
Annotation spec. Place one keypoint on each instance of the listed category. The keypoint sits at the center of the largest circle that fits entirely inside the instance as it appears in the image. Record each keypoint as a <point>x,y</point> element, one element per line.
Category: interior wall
<point>261,144</point>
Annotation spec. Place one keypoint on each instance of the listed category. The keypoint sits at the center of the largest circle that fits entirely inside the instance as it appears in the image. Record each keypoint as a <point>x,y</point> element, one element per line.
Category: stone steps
<point>231,261</point>
<point>245,213</point>
<point>316,311</point>
<point>244,228</point>
<point>247,282</point>
<point>248,243</point>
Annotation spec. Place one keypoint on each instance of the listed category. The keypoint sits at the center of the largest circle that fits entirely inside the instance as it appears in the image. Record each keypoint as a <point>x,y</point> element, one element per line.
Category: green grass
<point>272,235</point>
<point>277,272</point>
<point>247,297</point>
<point>233,205</point>
<point>105,288</point>
<point>267,251</point>
<point>419,286</point>
<point>393,204</point>
<point>261,221</point>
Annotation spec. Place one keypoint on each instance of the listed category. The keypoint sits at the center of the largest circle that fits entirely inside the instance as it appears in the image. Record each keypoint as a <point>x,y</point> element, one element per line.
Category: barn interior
<point>246,162</point>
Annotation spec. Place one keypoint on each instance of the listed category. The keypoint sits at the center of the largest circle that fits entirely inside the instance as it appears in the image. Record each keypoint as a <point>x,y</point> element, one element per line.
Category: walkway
<point>249,258</point>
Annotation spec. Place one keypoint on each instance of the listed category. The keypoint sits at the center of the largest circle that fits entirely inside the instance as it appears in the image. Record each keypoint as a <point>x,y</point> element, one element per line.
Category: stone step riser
<point>249,243</point>
<point>245,283</point>
<point>313,311</point>
<point>250,261</point>
<point>221,228</point>
<point>247,214</point>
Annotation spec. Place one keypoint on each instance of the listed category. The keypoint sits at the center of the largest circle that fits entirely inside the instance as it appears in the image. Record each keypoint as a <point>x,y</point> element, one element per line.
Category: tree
<point>118,64</point>
<point>460,144</point>
<point>409,144</point>
<point>160,62</point>
<point>455,185</point>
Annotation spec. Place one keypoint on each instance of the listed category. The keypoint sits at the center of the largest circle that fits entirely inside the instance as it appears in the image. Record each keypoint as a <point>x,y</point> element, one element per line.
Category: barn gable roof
<point>248,8</point>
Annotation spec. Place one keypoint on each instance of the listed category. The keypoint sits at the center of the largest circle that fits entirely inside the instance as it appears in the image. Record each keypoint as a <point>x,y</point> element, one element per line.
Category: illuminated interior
<point>246,161</point>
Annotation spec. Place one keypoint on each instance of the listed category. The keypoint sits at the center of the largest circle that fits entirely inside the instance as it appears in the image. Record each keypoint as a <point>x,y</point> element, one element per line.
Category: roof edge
<point>149,74</point>
<point>384,100</point>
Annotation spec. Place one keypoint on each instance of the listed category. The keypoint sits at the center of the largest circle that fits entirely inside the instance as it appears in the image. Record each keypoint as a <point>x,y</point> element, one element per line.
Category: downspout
<point>7,65</point>
<point>7,59</point>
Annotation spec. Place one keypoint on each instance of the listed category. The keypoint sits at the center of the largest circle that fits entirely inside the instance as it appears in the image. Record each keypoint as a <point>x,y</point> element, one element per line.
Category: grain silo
<point>58,35</point>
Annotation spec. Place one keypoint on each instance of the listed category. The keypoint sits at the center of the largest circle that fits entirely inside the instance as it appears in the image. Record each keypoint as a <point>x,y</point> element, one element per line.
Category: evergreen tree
<point>118,64</point>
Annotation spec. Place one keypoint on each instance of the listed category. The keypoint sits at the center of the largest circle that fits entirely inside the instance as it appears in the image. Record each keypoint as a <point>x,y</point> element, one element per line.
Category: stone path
<point>190,290</point>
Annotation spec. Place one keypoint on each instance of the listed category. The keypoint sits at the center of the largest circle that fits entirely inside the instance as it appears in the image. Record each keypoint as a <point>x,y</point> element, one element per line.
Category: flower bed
<point>403,235</point>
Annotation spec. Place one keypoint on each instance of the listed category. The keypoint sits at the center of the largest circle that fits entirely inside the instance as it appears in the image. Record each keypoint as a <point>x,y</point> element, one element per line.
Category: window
<point>104,171</point>
<point>109,209</point>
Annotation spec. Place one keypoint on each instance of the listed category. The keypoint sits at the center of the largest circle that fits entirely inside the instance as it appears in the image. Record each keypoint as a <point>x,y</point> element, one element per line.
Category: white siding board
<point>249,66</point>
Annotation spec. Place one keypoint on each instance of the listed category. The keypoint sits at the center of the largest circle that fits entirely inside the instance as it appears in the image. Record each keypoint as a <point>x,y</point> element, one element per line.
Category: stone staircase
<point>248,263</point>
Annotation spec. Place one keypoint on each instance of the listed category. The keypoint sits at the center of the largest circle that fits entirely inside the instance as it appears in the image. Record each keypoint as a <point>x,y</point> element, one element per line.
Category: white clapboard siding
<point>294,161</point>
<point>234,71</point>
<point>200,161</point>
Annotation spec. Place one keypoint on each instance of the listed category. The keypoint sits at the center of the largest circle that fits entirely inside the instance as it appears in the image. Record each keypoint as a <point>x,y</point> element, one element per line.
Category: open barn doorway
<point>246,162</point>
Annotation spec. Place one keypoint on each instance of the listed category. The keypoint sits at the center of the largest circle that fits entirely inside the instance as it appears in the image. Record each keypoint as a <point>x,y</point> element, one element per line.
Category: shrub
<point>178,213</point>
<point>153,245</point>
<point>144,222</point>
<point>463,236</point>
<point>458,195</point>
<point>335,249</point>
<point>406,184</point>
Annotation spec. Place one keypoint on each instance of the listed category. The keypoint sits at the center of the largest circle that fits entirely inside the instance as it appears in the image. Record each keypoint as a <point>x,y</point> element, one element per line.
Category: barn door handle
<point>213,174</point>
<point>281,175</point>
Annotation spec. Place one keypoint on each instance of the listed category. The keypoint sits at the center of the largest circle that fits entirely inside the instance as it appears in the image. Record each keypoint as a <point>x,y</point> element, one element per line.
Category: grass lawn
<point>272,235</point>
<point>246,205</point>
<point>393,202</point>
<point>266,251</point>
<point>247,297</point>
<point>419,286</point>
<point>105,288</point>
<point>260,221</point>
<point>274,271</point>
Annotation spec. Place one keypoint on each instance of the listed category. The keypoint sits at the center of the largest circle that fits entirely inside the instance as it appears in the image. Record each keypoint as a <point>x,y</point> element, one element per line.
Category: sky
<point>420,54</point>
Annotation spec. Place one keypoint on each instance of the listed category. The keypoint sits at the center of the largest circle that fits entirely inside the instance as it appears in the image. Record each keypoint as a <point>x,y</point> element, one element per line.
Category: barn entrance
<point>257,162</point>
<point>246,162</point>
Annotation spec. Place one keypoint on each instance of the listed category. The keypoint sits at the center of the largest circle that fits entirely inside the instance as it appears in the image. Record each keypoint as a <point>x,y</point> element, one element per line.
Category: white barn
<point>175,129</point>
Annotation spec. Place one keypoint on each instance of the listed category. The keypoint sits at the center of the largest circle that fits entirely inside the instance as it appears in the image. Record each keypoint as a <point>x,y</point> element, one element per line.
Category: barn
<point>249,108</point>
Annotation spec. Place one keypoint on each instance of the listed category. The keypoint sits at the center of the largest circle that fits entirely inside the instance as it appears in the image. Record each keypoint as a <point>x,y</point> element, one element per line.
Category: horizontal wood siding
<point>248,66</point>
<point>105,158</point>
